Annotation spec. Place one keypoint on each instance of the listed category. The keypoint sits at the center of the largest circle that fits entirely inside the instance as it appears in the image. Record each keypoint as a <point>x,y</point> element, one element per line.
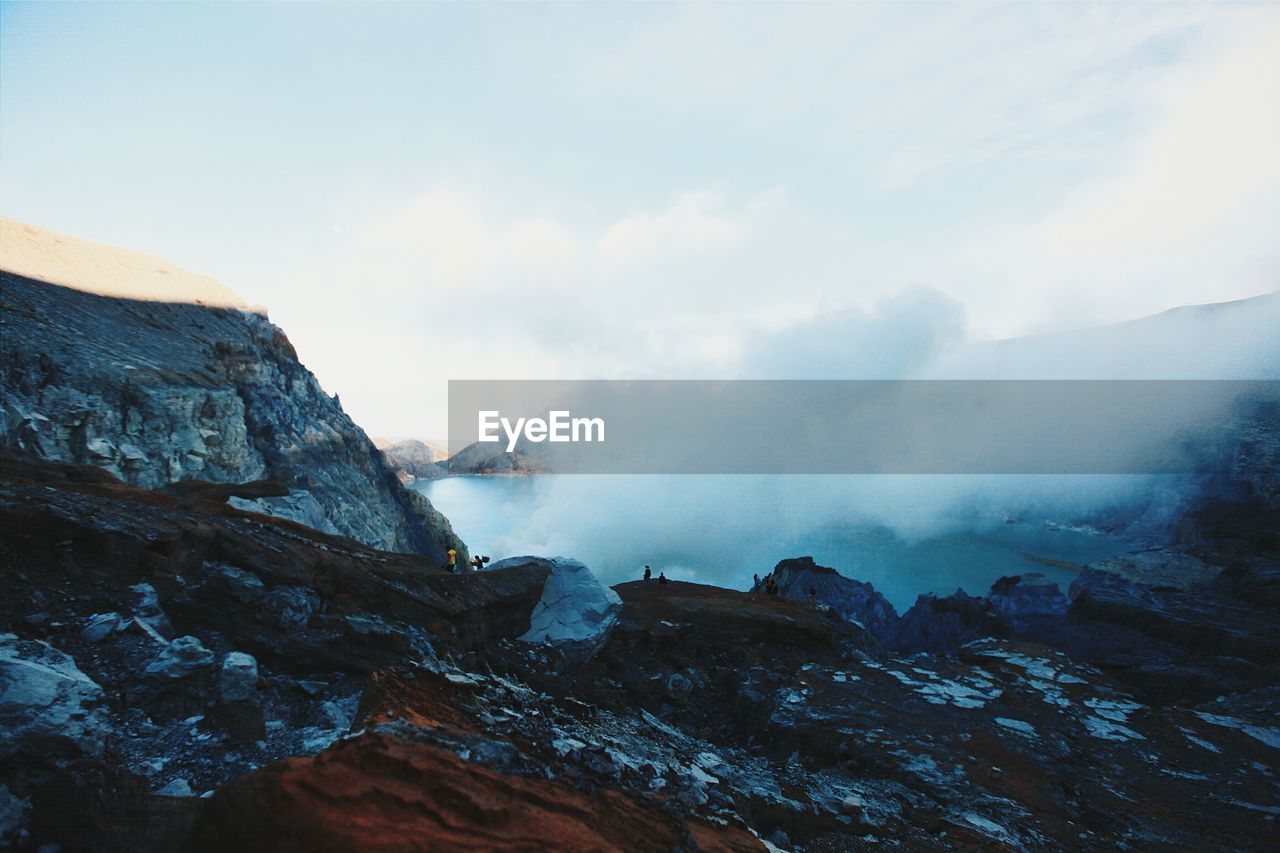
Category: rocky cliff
<point>804,580</point>
<point>159,392</point>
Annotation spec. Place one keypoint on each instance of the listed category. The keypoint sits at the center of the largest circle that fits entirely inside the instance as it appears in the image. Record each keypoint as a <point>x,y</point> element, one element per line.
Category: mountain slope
<point>1225,340</point>
<point>158,392</point>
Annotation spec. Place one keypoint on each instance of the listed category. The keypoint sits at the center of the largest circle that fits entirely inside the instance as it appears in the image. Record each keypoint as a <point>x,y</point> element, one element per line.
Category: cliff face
<point>855,600</point>
<point>160,392</point>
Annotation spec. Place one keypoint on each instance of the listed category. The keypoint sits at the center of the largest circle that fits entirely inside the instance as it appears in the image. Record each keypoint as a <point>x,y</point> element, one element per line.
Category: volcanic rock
<point>679,688</point>
<point>183,657</point>
<point>381,792</point>
<point>238,678</point>
<point>854,600</point>
<point>100,626</point>
<point>45,698</point>
<point>157,392</point>
<point>575,613</point>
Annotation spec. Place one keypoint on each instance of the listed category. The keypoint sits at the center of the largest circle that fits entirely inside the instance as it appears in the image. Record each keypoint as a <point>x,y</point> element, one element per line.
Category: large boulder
<point>575,612</point>
<point>854,600</point>
<point>238,679</point>
<point>45,697</point>
<point>1027,603</point>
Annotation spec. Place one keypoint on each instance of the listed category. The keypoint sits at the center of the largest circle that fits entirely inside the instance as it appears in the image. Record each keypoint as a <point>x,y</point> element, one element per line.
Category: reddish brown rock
<point>380,793</point>
<point>424,699</point>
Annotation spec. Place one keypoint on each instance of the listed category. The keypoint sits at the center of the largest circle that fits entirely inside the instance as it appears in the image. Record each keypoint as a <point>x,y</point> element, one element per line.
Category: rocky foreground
<point>178,673</point>
<point>224,625</point>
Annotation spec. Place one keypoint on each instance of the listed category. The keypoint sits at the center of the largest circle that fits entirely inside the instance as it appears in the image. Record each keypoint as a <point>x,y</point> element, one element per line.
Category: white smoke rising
<point>907,534</point>
<point>896,338</point>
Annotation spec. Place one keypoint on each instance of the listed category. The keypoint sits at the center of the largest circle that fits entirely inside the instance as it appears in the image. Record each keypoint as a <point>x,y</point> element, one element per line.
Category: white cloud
<point>696,220</point>
<point>1186,211</point>
<point>1173,108</point>
<point>451,239</point>
<point>899,91</point>
<point>1210,159</point>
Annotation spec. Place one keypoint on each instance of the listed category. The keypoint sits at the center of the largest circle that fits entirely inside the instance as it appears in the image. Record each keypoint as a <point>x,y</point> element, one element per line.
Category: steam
<point>906,534</point>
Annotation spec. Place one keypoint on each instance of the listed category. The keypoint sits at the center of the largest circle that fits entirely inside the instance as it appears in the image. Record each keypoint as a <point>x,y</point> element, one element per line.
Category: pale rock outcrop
<point>100,626</point>
<point>177,788</point>
<point>47,255</point>
<point>575,611</point>
<point>300,506</point>
<point>238,678</point>
<point>45,696</point>
<point>149,617</point>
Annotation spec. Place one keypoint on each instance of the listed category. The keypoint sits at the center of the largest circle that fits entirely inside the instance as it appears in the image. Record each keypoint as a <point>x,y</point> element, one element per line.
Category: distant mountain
<point>1225,340</point>
<point>493,459</point>
<point>1228,340</point>
<point>413,459</point>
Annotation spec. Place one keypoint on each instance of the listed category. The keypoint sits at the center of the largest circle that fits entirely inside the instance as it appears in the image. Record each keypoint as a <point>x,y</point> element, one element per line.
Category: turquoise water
<point>907,536</point>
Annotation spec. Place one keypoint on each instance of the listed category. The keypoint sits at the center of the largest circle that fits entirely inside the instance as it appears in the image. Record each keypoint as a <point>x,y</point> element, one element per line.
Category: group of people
<point>769,586</point>
<point>662,576</point>
<point>451,561</point>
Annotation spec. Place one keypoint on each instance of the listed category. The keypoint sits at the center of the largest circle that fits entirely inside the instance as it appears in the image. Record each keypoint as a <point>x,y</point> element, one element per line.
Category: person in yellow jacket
<point>451,564</point>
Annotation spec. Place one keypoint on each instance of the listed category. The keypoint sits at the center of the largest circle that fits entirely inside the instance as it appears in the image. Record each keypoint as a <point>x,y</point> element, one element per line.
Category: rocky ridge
<point>161,392</point>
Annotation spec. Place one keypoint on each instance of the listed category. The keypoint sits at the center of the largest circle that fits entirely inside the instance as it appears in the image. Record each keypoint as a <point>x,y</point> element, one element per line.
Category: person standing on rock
<point>451,561</point>
<point>648,573</point>
<point>755,583</point>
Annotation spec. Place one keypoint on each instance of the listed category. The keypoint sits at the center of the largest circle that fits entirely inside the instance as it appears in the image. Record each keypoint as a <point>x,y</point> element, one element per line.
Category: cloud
<point>1185,211</point>
<point>1136,141</point>
<point>897,93</point>
<point>1209,161</point>
<point>451,239</point>
<point>696,220</point>
<point>897,337</point>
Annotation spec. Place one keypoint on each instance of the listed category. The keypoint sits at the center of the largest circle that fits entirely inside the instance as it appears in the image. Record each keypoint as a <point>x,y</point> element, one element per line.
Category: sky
<point>425,192</point>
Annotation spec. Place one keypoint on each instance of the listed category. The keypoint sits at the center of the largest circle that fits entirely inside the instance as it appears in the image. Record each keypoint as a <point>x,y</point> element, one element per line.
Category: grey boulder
<point>183,657</point>
<point>45,696</point>
<point>238,678</point>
